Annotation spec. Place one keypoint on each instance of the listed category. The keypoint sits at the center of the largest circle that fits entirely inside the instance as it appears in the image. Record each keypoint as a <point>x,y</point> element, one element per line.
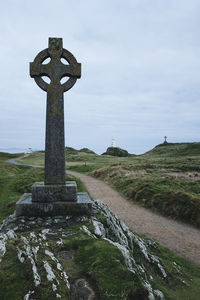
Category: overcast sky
<point>140,72</point>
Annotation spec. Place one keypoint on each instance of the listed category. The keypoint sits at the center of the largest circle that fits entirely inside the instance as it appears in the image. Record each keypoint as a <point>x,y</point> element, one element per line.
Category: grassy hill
<point>175,149</point>
<point>70,150</point>
<point>77,257</point>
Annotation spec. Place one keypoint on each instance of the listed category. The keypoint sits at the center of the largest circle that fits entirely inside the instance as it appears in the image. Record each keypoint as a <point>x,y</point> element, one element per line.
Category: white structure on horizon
<point>29,151</point>
<point>113,143</point>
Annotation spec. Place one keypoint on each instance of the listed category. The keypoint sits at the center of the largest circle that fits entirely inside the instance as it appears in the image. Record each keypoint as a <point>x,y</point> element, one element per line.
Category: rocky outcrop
<point>41,247</point>
<point>115,151</point>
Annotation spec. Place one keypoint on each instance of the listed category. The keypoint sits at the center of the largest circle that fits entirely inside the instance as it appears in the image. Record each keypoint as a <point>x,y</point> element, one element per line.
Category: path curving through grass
<point>181,238</point>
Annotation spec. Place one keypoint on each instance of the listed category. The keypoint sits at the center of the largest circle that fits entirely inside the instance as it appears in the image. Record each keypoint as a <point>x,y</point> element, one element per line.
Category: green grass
<point>13,276</point>
<point>4,155</point>
<point>9,191</point>
<point>36,158</point>
<point>85,168</point>
<point>102,265</point>
<point>16,278</point>
<point>186,271</point>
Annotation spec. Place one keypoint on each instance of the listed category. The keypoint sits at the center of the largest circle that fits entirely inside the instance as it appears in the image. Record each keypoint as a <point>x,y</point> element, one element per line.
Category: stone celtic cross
<point>54,196</point>
<point>55,70</point>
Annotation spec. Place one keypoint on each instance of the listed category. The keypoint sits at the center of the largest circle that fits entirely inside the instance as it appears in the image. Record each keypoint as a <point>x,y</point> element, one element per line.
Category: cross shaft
<point>55,70</point>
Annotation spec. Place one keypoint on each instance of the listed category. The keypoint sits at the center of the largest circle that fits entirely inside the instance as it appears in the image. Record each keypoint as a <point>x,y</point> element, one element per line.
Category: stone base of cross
<point>54,196</point>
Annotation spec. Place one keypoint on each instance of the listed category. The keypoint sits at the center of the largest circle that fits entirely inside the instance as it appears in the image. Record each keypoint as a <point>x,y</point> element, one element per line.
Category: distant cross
<point>165,137</point>
<point>55,70</point>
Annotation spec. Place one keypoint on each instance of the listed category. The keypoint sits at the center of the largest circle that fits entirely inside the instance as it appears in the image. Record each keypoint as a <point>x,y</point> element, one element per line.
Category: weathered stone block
<point>54,193</point>
<point>26,207</point>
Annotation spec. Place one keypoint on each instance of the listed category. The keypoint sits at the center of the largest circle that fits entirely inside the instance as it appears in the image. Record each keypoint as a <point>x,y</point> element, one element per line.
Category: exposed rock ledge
<point>33,238</point>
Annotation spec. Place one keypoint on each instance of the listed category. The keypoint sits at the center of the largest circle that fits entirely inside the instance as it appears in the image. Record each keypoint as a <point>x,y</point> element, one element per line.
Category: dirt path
<point>182,239</point>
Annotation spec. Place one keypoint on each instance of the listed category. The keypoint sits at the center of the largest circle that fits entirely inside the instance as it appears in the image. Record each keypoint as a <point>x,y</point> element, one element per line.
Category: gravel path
<point>182,239</point>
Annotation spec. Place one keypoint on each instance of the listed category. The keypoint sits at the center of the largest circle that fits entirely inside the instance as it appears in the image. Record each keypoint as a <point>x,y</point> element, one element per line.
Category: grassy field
<point>91,254</point>
<point>166,179</point>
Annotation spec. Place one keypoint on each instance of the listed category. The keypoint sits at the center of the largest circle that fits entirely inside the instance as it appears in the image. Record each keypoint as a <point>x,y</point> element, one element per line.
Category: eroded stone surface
<point>82,290</point>
<point>54,193</point>
<point>26,207</point>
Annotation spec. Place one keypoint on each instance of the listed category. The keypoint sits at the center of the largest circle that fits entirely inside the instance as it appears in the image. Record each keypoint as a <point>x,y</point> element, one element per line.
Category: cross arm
<point>73,70</point>
<point>38,70</point>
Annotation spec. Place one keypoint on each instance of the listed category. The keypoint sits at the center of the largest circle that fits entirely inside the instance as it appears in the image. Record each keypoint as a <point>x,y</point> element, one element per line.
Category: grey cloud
<point>140,77</point>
